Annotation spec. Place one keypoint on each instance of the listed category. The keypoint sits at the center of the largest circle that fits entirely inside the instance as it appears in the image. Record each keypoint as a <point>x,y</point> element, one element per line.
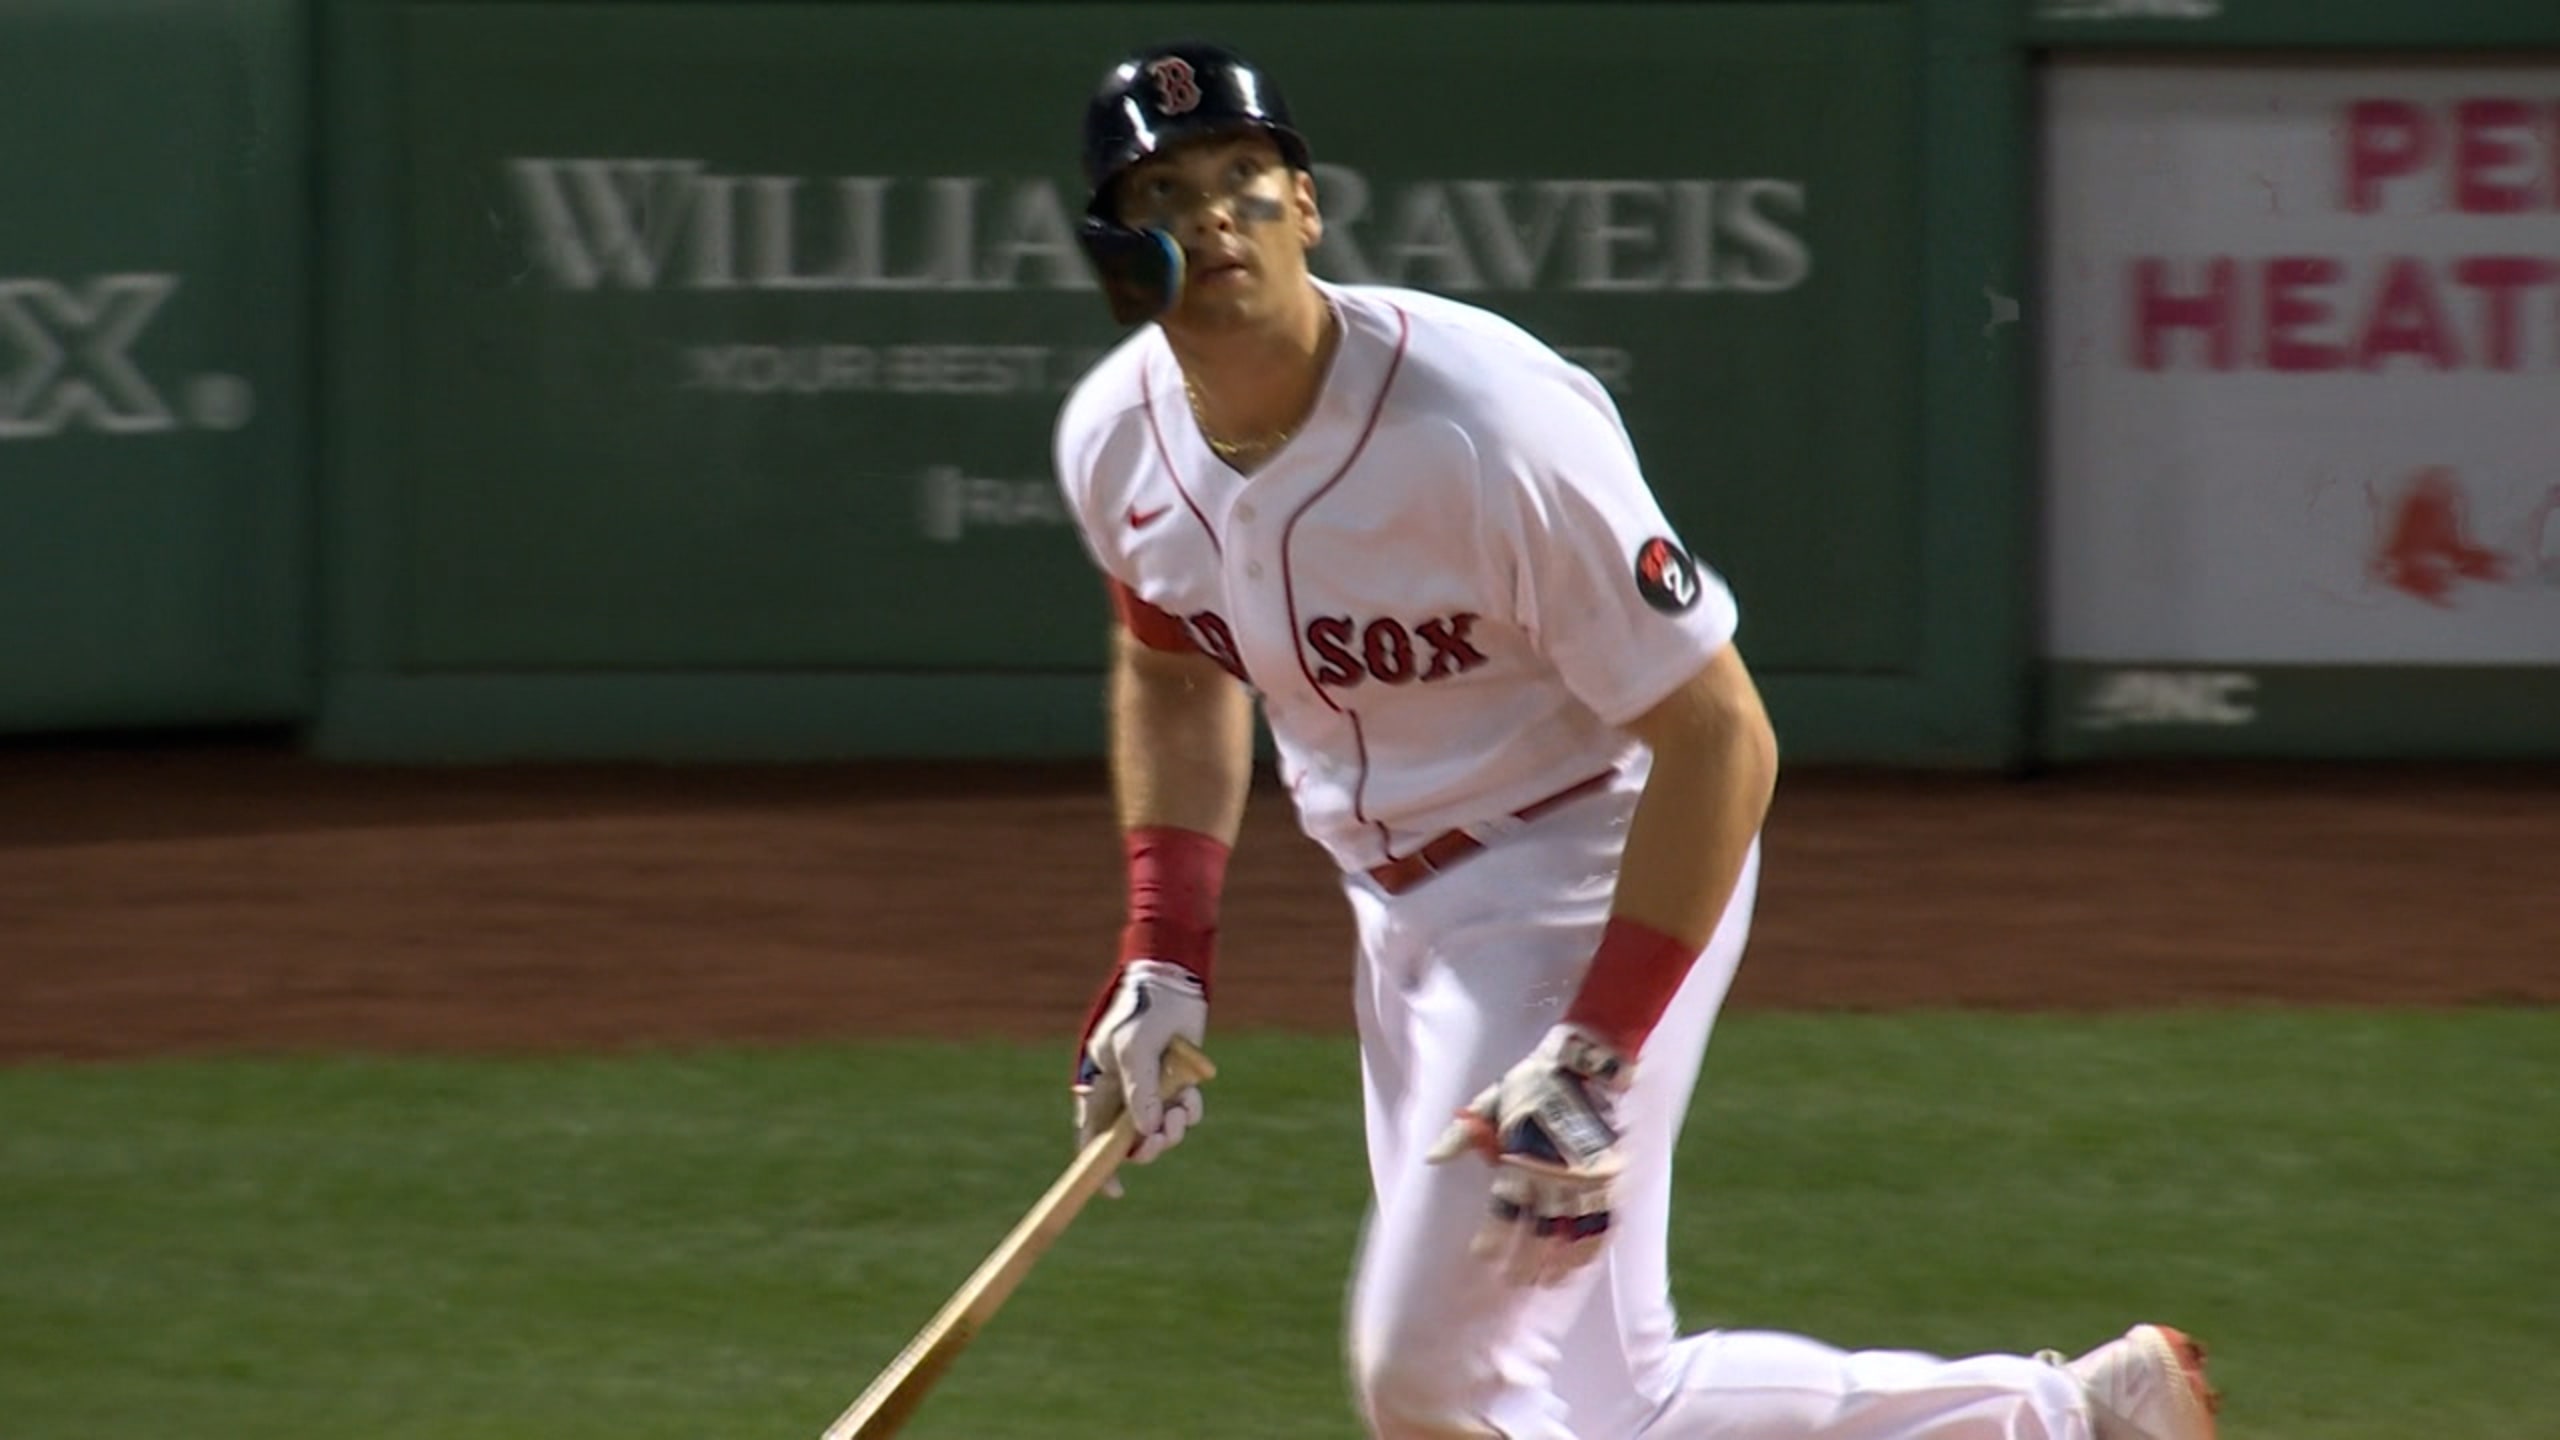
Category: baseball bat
<point>886,1403</point>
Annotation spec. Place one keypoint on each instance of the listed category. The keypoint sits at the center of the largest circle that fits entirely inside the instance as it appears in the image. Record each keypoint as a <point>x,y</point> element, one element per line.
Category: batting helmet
<point>1152,100</point>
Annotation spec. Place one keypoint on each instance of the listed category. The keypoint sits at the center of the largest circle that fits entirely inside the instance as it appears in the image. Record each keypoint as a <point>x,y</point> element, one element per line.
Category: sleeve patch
<point>1666,577</point>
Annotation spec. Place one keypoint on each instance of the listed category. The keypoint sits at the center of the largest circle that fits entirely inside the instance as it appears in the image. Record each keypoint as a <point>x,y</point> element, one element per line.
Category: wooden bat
<point>885,1405</point>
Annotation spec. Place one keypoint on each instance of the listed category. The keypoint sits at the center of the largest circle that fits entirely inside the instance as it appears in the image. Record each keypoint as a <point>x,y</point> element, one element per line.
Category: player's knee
<point>1406,1398</point>
<point>2051,1405</point>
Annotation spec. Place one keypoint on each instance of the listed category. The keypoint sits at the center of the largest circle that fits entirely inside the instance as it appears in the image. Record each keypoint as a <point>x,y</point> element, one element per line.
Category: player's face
<point>1243,218</point>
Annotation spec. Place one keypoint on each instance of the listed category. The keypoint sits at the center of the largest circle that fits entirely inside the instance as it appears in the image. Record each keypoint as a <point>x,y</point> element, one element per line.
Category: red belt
<point>1451,846</point>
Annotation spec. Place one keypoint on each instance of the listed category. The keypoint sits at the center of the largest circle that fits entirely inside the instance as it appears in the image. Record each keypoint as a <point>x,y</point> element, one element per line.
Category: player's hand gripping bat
<point>885,1405</point>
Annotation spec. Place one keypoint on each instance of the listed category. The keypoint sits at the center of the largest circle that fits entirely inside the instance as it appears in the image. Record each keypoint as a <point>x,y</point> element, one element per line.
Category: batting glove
<point>1120,1063</point>
<point>1550,1128</point>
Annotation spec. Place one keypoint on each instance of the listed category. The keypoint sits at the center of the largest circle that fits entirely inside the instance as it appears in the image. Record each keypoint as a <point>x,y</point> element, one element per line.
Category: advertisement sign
<point>2302,365</point>
<point>732,336</point>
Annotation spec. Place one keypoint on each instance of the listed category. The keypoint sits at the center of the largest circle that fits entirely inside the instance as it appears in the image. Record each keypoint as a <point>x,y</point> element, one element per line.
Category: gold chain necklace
<point>1230,449</point>
<point>1263,444</point>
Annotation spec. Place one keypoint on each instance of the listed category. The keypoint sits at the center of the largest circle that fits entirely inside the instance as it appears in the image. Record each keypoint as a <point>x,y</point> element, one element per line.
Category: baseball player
<point>1505,698</point>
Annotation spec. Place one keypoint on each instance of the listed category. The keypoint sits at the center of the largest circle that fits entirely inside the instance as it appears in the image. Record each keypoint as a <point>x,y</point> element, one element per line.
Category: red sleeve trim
<point>1156,629</point>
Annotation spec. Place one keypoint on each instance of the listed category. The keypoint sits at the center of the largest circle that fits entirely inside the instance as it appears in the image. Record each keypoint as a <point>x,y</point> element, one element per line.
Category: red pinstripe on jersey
<point>1289,579</point>
<point>1173,472</point>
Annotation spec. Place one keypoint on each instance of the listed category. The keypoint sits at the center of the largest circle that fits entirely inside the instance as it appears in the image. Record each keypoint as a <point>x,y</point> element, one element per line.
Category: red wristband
<point>1633,976</point>
<point>1175,879</point>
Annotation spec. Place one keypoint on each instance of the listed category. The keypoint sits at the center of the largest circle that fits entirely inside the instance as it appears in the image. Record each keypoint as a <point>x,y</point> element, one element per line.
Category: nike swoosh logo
<point>1141,519</point>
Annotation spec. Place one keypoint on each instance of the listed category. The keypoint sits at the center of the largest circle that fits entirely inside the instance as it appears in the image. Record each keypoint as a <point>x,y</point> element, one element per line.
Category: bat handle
<point>1185,1064</point>
<point>883,1407</point>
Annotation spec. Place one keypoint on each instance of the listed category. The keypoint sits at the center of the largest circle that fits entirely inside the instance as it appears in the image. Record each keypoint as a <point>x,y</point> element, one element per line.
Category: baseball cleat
<point>2146,1384</point>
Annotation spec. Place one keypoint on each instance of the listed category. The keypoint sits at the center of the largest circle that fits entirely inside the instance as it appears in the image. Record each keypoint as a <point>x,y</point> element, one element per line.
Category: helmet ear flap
<point>1141,270</point>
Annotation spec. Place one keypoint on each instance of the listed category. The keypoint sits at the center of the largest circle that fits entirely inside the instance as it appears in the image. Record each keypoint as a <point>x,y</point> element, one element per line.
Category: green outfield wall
<point>155,492</point>
<point>700,361</point>
<point>2324,27</point>
<point>473,379</point>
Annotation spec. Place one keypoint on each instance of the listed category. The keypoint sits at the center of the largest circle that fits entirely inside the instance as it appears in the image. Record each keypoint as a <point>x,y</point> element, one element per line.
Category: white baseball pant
<point>1457,980</point>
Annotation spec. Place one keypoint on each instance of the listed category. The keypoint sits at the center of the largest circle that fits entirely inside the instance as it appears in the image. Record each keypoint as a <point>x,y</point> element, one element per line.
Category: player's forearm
<point>1181,742</point>
<point>1181,756</point>
<point>1704,802</point>
<point>1715,765</point>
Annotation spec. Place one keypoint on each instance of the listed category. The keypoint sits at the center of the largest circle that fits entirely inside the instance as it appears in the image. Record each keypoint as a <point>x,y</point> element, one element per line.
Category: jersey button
<point>1245,513</point>
<point>1253,569</point>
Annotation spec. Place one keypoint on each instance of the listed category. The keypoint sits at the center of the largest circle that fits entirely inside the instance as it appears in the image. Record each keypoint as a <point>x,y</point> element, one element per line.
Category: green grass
<point>2362,1211</point>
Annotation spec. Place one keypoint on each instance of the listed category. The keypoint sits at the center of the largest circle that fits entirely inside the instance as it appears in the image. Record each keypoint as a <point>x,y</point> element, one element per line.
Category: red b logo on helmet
<point>1177,88</point>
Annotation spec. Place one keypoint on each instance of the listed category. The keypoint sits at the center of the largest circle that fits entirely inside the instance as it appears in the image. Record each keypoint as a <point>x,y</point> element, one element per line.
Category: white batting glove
<point>1549,1126</point>
<point>1120,1066</point>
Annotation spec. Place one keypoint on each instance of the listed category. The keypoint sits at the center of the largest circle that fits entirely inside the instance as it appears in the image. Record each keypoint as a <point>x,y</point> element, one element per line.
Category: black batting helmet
<point>1149,101</point>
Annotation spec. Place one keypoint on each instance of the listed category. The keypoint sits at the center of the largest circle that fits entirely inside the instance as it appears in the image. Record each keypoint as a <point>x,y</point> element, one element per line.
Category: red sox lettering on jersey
<point>1386,649</point>
<point>1350,652</point>
<point>1450,590</point>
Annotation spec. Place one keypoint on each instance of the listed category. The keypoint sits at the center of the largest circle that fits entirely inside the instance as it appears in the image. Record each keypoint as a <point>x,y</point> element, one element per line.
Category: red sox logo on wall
<point>2426,547</point>
<point>1177,87</point>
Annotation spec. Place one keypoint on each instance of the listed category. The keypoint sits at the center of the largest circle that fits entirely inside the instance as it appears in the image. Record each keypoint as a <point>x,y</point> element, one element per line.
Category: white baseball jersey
<point>1449,590</point>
